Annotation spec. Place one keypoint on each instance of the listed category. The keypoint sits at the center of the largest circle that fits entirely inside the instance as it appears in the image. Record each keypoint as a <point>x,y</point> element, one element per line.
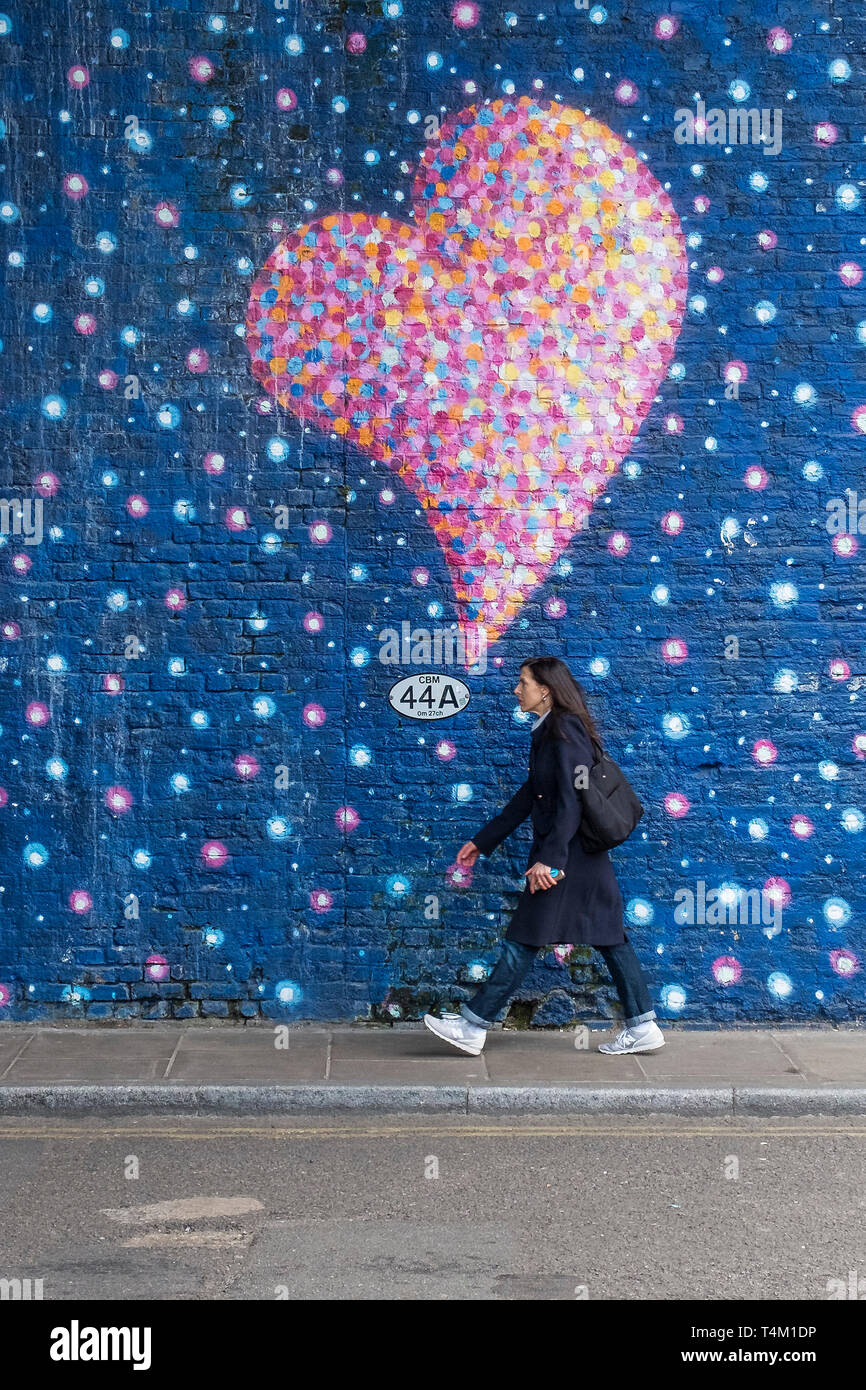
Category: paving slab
<point>836,1057</point>
<point>718,1059</point>
<point>11,1045</point>
<point>402,1058</point>
<point>61,1055</point>
<point>517,1059</point>
<point>252,1055</point>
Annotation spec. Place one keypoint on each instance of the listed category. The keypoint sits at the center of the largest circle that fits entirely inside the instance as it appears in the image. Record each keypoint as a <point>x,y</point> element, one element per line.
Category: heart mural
<point>500,352</point>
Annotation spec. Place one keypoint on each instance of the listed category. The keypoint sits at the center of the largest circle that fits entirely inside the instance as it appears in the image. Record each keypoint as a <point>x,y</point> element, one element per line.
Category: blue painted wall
<point>209,806</point>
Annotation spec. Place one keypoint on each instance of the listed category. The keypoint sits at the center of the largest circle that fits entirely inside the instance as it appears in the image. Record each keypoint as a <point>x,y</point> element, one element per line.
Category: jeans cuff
<point>641,1018</point>
<point>474,1019</point>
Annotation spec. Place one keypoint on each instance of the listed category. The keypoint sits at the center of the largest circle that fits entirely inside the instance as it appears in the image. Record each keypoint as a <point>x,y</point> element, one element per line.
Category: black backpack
<point>611,808</point>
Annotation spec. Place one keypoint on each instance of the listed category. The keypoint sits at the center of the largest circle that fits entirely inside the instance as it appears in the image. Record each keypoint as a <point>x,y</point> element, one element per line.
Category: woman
<point>573,894</point>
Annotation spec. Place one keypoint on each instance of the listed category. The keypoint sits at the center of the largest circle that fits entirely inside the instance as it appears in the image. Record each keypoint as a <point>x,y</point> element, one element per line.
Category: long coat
<point>586,906</point>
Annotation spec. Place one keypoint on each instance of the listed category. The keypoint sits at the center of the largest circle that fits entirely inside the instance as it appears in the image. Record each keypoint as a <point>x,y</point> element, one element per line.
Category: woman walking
<point>573,896</point>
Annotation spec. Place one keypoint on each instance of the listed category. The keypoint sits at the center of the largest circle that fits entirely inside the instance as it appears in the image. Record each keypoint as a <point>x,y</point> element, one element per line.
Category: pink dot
<point>286,99</point>
<point>4,796</point>
<point>666,26</point>
<point>75,186</point>
<point>37,714</point>
<point>137,505</point>
<point>844,962</point>
<point>458,876</point>
<point>201,69</point>
<point>844,545</point>
<point>11,631</point>
<point>715,275</point>
<point>764,752</point>
<point>779,40</point>
<point>47,484</point>
<point>850,273</point>
<point>626,92</point>
<point>107,379</point>
<point>21,563</point>
<point>320,533</point>
<point>214,854</point>
<point>118,800</point>
<point>756,478</point>
<point>80,900</point>
<point>767,240</point>
<point>420,576</point>
<point>727,970</point>
<point>175,599</point>
<point>464,15</point>
<point>825,133</point>
<point>113,684</point>
<point>674,651</point>
<point>197,360</point>
<point>356,43</point>
<point>672,523</point>
<point>619,544</point>
<point>246,766</point>
<point>445,750</point>
<point>677,805</point>
<point>673,424</point>
<point>839,670</point>
<point>214,464</point>
<point>84,324</point>
<point>701,203</point>
<point>347,818</point>
<point>78,76</point>
<point>237,518</point>
<point>778,890</point>
<point>801,826</point>
<point>555,608</point>
<point>320,900</point>
<point>858,419</point>
<point>5,995</point>
<point>314,622</point>
<point>156,968</point>
<point>736,371</point>
<point>313,716</point>
<point>858,745</point>
<point>166,215</point>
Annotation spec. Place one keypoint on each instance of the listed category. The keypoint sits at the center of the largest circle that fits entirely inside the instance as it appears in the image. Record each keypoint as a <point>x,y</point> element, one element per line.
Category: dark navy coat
<point>586,906</point>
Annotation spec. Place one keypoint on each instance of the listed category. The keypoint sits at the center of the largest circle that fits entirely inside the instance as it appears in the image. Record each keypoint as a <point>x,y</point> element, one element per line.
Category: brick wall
<point>621,368</point>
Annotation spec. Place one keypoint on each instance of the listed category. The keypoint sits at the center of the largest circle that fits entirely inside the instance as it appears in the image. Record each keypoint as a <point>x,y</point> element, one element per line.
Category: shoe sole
<point>463,1047</point>
<point>627,1051</point>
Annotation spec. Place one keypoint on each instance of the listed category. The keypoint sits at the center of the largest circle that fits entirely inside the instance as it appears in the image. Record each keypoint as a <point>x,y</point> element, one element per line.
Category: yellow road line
<point>93,1133</point>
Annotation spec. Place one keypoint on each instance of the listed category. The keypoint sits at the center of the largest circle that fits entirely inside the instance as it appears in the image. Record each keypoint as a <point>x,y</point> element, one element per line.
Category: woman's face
<point>529,693</point>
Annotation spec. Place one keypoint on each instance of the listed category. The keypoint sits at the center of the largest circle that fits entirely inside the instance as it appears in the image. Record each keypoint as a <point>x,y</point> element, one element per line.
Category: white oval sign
<point>429,696</point>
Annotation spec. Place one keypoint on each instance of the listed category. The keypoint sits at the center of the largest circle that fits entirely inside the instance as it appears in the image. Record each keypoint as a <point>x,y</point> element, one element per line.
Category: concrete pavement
<point>163,1067</point>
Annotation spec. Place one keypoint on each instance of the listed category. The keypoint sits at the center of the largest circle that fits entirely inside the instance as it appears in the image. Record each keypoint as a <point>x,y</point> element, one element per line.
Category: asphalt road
<point>433,1207</point>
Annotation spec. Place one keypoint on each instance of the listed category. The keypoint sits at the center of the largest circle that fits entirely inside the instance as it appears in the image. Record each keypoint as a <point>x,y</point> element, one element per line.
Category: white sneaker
<point>458,1031</point>
<point>641,1037</point>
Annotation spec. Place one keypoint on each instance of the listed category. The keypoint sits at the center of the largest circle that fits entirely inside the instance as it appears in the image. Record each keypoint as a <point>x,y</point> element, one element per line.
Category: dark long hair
<point>566,694</point>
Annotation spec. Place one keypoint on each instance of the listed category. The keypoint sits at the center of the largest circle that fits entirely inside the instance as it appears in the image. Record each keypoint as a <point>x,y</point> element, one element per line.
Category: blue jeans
<point>514,962</point>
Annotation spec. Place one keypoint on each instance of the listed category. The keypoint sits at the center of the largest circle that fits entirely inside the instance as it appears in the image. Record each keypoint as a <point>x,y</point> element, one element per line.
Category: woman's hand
<point>467,855</point>
<point>538,877</point>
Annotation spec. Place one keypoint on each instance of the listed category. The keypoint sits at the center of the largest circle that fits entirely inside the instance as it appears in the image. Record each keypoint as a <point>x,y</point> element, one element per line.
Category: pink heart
<point>499,354</point>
